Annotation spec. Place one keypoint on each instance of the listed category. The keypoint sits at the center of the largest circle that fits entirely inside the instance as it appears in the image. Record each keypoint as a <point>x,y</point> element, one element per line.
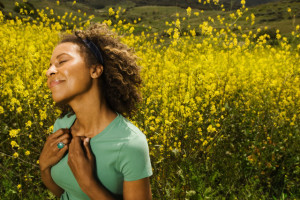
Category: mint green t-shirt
<point>121,154</point>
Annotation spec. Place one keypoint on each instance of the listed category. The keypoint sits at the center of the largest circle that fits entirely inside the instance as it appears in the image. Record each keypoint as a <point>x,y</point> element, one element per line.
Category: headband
<point>94,49</point>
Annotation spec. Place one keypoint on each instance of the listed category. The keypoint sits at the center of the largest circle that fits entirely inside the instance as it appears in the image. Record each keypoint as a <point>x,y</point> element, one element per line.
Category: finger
<point>87,148</point>
<point>62,151</point>
<point>65,141</point>
<point>82,138</point>
<point>76,146</point>
<point>71,145</point>
<point>59,132</point>
<point>63,137</point>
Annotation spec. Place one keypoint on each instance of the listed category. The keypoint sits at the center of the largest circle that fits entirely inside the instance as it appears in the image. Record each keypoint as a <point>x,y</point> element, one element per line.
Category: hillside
<point>272,14</point>
<point>229,4</point>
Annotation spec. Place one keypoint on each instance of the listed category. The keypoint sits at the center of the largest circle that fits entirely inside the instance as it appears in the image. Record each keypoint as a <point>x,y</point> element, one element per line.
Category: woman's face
<point>68,75</point>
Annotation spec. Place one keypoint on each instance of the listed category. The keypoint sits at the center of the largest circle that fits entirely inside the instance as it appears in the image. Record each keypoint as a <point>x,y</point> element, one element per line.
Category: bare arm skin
<point>137,190</point>
<point>50,155</point>
<point>50,184</point>
<point>132,190</point>
<point>81,162</point>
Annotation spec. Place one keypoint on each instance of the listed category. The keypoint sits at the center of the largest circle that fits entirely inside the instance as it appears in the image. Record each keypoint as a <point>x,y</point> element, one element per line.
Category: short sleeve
<point>134,159</point>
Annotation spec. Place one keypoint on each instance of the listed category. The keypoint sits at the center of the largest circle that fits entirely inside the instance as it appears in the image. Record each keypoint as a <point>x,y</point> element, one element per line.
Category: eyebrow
<point>59,56</point>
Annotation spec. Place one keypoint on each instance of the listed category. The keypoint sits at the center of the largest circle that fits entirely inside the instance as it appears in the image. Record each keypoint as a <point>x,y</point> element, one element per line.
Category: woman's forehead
<point>65,48</point>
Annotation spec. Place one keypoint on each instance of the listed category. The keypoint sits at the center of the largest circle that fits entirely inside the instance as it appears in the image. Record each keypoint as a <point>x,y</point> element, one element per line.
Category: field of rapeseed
<point>220,105</point>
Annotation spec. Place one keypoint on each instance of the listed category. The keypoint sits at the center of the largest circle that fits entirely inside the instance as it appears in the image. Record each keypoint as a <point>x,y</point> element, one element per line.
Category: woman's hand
<point>81,161</point>
<point>51,154</point>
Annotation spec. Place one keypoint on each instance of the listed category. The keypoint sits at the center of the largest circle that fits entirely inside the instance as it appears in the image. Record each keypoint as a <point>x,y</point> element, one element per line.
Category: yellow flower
<point>14,144</point>
<point>1,110</point>
<point>15,155</point>
<point>189,11</point>
<point>111,11</point>
<point>177,23</point>
<point>176,34</point>
<point>193,32</point>
<point>14,132</point>
<point>19,186</point>
<point>28,123</point>
<point>19,109</point>
<point>211,129</point>
<point>27,153</point>
<point>108,22</point>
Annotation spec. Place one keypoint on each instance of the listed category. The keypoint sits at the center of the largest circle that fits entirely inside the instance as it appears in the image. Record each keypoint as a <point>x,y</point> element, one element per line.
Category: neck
<point>92,114</point>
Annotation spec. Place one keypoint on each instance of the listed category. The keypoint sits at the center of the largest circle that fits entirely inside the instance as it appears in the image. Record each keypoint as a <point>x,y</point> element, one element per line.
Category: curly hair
<point>121,75</point>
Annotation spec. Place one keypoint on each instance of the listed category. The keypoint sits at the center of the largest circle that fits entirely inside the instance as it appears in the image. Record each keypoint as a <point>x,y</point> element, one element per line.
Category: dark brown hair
<point>121,75</point>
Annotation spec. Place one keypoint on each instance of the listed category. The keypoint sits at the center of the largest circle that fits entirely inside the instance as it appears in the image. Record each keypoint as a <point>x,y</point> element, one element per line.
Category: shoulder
<point>135,143</point>
<point>64,122</point>
<point>134,160</point>
<point>128,129</point>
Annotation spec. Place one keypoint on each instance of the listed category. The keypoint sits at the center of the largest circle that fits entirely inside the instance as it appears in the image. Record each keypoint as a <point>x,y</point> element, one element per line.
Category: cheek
<point>78,80</point>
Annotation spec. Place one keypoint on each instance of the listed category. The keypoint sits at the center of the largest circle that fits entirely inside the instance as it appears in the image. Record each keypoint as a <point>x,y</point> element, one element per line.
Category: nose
<point>52,70</point>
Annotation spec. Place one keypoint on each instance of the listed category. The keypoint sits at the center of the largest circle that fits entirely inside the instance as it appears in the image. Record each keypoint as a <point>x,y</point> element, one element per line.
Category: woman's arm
<point>132,190</point>
<point>137,190</point>
<point>50,155</point>
<point>96,191</point>
<point>49,183</point>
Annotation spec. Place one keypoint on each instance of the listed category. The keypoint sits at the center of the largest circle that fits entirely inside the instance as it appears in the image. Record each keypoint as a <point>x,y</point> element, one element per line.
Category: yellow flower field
<point>220,106</point>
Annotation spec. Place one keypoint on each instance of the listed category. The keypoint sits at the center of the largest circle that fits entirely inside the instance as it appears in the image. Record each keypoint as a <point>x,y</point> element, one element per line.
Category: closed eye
<point>63,61</point>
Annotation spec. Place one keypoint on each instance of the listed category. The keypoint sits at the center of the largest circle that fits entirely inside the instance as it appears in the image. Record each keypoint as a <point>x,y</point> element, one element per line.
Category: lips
<point>55,82</point>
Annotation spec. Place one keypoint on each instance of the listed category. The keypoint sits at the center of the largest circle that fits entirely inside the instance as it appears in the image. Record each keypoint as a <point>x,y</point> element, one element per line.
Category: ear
<point>96,71</point>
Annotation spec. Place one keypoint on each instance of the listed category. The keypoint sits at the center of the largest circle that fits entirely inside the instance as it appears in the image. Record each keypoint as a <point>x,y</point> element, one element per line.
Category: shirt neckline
<point>107,128</point>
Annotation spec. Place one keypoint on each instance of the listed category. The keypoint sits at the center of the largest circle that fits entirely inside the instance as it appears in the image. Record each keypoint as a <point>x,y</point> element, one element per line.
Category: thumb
<point>87,147</point>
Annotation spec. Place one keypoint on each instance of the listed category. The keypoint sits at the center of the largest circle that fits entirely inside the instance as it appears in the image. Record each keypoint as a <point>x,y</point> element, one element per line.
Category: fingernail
<point>87,140</point>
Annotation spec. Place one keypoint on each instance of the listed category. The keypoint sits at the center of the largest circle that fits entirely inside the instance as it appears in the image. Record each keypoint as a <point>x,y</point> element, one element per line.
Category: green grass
<point>58,9</point>
<point>273,15</point>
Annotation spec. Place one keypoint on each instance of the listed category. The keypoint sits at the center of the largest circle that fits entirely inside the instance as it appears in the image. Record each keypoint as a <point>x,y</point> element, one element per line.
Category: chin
<point>60,99</point>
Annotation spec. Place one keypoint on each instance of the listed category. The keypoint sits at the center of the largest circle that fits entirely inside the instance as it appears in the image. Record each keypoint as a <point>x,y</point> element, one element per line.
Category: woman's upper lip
<point>55,82</point>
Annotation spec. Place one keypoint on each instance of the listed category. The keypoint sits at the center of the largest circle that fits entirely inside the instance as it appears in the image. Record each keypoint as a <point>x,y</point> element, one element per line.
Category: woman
<point>94,152</point>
